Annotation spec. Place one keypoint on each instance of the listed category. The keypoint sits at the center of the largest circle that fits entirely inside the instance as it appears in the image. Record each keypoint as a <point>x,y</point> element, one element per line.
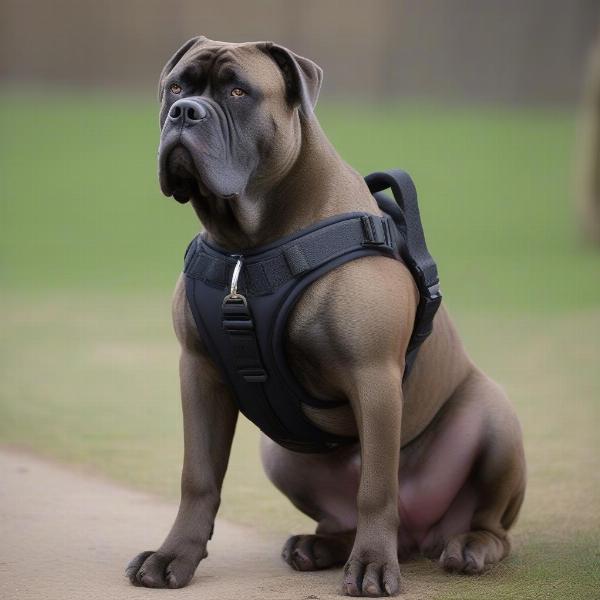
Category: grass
<point>89,252</point>
<point>80,196</point>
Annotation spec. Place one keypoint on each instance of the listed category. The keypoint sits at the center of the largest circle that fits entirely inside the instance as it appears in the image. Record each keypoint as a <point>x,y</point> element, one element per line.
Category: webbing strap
<point>414,252</point>
<point>264,272</point>
<point>405,193</point>
<point>238,323</point>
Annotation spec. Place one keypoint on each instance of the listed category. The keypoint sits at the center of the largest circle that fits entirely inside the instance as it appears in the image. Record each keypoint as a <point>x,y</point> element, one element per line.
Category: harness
<point>241,303</point>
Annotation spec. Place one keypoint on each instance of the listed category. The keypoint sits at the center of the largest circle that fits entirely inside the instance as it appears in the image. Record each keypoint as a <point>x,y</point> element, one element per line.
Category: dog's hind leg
<point>498,479</point>
<point>324,487</point>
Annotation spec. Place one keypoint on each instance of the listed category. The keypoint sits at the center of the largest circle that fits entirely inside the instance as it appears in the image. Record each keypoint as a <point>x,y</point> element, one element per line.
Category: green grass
<point>89,252</point>
<point>80,197</point>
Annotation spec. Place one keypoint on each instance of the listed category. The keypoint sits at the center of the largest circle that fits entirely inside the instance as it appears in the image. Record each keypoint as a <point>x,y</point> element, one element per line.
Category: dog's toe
<point>133,567</point>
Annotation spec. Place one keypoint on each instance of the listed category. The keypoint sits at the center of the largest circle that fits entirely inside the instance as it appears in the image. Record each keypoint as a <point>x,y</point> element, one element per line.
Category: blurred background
<point>504,52</point>
<point>491,105</point>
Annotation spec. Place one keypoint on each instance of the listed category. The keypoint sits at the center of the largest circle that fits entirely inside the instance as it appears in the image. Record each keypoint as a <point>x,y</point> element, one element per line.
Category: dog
<point>439,468</point>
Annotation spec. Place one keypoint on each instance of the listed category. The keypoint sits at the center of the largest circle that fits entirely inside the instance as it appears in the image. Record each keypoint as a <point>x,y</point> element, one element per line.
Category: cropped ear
<point>175,59</point>
<point>302,76</point>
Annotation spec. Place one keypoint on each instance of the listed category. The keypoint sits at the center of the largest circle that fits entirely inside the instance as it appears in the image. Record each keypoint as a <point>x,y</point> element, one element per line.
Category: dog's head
<point>231,117</point>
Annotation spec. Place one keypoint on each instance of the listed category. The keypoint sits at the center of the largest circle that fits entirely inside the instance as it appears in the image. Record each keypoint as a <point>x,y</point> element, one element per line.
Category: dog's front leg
<point>376,397</point>
<point>209,418</point>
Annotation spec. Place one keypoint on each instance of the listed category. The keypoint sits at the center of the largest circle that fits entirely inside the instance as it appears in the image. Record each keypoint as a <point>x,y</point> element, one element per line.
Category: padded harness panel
<point>244,329</point>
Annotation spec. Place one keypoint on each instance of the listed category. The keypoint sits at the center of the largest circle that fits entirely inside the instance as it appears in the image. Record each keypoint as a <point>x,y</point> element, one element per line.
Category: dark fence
<point>505,51</point>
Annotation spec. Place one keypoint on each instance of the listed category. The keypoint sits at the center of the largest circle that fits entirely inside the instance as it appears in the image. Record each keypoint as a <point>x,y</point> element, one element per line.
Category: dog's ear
<point>174,60</point>
<point>302,76</point>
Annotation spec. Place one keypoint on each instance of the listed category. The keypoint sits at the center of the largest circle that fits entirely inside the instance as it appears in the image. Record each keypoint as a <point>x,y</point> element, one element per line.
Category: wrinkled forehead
<point>221,61</point>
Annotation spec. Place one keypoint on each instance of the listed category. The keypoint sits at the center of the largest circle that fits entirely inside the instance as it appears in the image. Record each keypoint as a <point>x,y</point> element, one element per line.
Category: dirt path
<point>66,535</point>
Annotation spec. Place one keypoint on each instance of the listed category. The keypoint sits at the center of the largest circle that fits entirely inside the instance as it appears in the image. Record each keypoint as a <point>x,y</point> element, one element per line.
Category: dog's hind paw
<point>474,552</point>
<point>319,551</point>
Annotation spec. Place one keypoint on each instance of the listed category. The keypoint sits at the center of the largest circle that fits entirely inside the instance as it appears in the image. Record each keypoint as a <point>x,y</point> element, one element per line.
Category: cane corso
<point>439,468</point>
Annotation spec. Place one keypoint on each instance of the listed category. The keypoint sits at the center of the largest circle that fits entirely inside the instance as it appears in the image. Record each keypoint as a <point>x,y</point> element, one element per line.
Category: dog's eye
<point>175,88</point>
<point>238,92</point>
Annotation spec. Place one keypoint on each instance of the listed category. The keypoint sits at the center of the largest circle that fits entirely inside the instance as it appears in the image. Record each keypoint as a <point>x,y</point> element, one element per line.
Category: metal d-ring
<point>235,276</point>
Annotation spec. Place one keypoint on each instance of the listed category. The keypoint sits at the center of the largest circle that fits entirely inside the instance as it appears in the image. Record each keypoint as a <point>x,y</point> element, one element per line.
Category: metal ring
<point>234,278</point>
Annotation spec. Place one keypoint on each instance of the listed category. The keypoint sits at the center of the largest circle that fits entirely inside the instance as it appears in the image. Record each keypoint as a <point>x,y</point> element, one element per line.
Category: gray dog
<point>439,469</point>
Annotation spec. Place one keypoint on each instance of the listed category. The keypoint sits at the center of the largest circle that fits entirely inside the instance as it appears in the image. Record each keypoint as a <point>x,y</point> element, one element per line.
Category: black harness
<point>241,303</point>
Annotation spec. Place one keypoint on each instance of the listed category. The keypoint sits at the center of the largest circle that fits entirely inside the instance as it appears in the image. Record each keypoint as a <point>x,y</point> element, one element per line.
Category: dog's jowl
<point>310,304</point>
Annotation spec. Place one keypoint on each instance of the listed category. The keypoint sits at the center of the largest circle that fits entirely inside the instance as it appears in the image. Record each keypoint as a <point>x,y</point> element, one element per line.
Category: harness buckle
<point>236,315</point>
<point>433,291</point>
<point>376,231</point>
<point>431,298</point>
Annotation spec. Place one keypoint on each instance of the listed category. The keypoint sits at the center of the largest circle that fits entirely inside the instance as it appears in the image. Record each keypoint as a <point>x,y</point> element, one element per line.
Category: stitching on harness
<point>295,259</point>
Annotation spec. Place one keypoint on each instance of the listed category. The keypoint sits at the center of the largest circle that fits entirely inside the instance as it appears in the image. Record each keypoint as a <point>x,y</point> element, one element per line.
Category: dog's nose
<point>187,110</point>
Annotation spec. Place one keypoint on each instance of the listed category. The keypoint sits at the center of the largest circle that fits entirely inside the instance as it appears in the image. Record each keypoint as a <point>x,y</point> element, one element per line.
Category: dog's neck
<point>318,185</point>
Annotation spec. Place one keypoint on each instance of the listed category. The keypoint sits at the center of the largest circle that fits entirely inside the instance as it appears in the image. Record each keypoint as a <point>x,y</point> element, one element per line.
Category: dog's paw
<point>160,570</point>
<point>314,552</point>
<point>372,578</point>
<point>474,552</point>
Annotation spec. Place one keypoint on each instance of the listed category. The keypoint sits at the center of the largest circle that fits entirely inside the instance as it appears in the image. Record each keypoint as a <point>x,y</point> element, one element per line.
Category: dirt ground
<point>68,535</point>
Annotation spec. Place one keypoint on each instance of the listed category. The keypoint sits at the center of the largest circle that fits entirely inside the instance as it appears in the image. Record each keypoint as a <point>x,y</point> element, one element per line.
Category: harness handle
<point>414,252</point>
<point>405,194</point>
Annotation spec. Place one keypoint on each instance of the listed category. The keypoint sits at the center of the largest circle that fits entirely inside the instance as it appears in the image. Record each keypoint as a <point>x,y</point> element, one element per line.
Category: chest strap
<point>271,268</point>
<point>242,313</point>
<point>238,323</point>
<point>264,273</point>
<point>252,301</point>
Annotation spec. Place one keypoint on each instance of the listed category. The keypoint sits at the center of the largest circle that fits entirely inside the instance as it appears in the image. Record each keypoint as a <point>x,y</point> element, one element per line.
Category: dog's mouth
<point>185,178</point>
<point>179,177</point>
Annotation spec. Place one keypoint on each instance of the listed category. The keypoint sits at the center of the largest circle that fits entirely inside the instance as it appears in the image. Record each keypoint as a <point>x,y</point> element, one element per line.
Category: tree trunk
<point>588,159</point>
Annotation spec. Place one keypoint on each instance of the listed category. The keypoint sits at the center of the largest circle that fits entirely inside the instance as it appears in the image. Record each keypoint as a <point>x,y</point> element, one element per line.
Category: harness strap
<point>238,323</point>
<point>414,253</point>
<point>294,259</point>
<point>242,313</point>
<point>300,255</point>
